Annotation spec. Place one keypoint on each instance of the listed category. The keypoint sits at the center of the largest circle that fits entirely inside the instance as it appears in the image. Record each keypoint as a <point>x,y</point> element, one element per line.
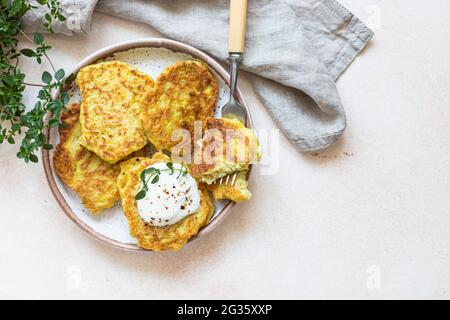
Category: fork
<point>236,43</point>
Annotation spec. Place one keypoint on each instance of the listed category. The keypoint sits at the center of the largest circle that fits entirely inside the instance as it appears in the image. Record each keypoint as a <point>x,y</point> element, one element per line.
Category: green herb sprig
<point>33,121</point>
<point>14,117</point>
<point>151,175</point>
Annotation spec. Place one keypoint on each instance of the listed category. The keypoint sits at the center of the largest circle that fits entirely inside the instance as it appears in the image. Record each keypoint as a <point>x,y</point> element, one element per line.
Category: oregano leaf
<point>141,195</point>
<point>38,38</point>
<point>46,77</point>
<point>34,158</point>
<point>27,52</point>
<point>59,75</point>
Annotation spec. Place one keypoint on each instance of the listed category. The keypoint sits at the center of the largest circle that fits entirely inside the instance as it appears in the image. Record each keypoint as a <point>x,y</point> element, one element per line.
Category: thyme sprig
<point>151,175</point>
<point>33,121</point>
<point>15,117</point>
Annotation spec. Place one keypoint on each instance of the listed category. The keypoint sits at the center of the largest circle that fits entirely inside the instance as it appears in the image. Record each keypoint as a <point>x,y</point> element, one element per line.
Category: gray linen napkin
<point>295,48</point>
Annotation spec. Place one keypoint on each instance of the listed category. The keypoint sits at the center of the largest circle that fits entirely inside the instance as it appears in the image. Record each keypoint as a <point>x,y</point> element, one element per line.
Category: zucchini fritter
<point>94,179</point>
<point>83,171</point>
<point>171,237</point>
<point>110,117</point>
<point>184,92</point>
<point>227,147</point>
<point>237,193</point>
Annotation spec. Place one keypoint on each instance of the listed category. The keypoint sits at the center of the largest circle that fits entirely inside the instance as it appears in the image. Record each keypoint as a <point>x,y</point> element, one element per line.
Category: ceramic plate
<point>150,56</point>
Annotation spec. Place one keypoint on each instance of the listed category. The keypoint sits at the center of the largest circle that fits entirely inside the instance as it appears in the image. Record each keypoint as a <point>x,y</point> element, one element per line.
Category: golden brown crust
<point>238,192</point>
<point>62,159</point>
<point>184,92</point>
<point>83,171</point>
<point>172,237</point>
<point>225,140</point>
<point>111,111</point>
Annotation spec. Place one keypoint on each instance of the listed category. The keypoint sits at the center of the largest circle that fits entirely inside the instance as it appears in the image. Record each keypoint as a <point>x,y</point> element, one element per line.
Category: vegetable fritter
<point>94,179</point>
<point>238,192</point>
<point>111,110</point>
<point>82,170</point>
<point>227,147</point>
<point>171,237</point>
<point>184,92</point>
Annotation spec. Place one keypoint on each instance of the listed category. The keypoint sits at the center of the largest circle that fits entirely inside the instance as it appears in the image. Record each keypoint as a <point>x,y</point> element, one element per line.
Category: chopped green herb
<point>152,174</point>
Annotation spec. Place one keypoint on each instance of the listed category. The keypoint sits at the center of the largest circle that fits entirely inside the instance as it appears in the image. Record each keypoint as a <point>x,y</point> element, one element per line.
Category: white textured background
<point>368,218</point>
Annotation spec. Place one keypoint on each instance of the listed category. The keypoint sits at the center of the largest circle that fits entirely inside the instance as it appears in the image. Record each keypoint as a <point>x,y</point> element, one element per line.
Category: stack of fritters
<point>122,110</point>
<point>94,179</point>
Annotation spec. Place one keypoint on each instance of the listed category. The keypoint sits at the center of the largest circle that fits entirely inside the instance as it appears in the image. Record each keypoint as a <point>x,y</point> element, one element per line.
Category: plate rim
<point>101,54</point>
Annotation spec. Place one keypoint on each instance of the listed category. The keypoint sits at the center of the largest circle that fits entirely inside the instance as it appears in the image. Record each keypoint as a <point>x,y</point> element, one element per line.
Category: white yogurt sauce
<point>171,199</point>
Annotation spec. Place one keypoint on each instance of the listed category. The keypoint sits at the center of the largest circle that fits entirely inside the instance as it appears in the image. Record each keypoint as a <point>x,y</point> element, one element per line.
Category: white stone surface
<point>368,218</point>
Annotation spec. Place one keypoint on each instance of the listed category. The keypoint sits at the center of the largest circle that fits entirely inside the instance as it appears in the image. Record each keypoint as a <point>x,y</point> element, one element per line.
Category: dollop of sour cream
<point>171,199</point>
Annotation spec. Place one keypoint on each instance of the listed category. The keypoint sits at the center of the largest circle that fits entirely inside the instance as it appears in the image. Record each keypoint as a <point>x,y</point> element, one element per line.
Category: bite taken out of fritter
<point>161,219</point>
<point>227,147</point>
<point>184,93</point>
<point>111,109</point>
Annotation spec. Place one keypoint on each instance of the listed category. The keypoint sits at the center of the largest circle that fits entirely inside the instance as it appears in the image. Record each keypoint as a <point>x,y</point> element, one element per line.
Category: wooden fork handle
<point>238,25</point>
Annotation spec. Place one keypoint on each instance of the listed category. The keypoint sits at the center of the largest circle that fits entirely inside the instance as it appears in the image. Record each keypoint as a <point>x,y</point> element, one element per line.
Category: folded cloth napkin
<point>296,49</point>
